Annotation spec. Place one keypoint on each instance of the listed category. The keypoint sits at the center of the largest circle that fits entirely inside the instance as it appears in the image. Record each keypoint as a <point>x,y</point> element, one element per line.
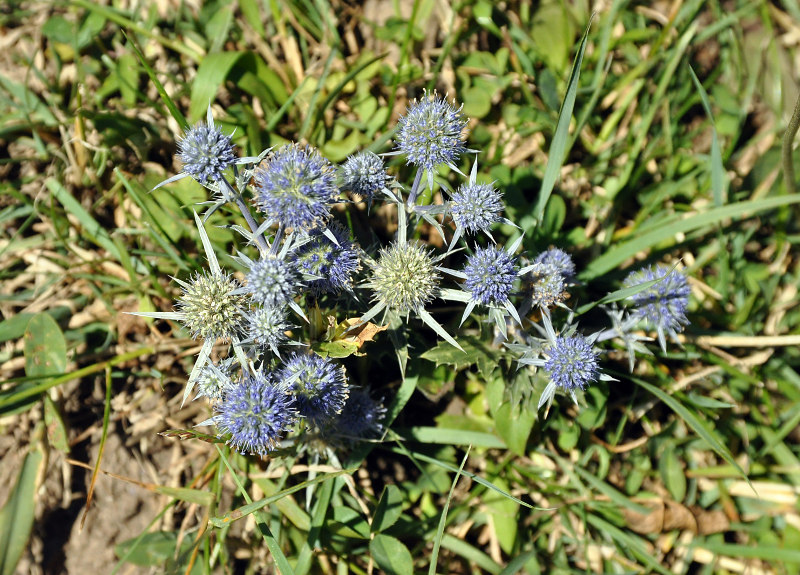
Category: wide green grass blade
<point>558,147</point>
<point>16,516</point>
<point>669,229</point>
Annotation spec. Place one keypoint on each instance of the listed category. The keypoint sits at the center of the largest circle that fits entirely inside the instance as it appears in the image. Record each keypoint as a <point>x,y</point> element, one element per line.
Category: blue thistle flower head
<point>364,174</point>
<point>295,185</point>
<point>214,380</point>
<point>558,260</point>
<point>431,133</point>
<point>572,363</point>
<point>205,152</point>
<point>475,207</point>
<point>267,326</point>
<point>319,386</point>
<point>490,275</point>
<point>662,305</point>
<point>272,281</point>
<point>362,416</point>
<point>212,307</point>
<point>332,265</point>
<point>404,278</point>
<point>256,412</point>
<point>543,286</point>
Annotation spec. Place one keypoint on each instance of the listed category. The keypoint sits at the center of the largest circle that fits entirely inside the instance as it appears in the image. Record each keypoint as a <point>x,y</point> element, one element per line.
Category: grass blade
<point>558,147</point>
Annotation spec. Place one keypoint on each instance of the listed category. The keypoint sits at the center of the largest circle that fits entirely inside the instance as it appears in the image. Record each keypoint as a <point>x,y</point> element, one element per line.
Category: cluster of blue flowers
<point>262,394</point>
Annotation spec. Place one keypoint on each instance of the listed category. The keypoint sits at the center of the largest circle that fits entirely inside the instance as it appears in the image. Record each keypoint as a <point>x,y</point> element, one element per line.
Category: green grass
<point>668,148</point>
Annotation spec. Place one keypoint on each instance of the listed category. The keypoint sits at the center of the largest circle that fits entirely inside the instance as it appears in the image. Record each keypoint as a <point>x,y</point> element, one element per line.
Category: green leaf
<point>211,74</point>
<point>391,555</point>
<point>514,426</point>
<point>389,510</point>
<point>681,224</point>
<point>150,550</point>
<point>16,516</point>
<point>45,347</point>
<point>693,421</point>
<point>503,513</point>
<point>558,147</point>
<point>718,183</point>
<point>56,431</point>
<point>335,349</point>
<point>669,466</point>
<point>348,523</point>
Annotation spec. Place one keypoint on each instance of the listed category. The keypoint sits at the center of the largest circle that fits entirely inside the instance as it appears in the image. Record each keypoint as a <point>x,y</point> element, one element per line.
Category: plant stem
<point>237,197</point>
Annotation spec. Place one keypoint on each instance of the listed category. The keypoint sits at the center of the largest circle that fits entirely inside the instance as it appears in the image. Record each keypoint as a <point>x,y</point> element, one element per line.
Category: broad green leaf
<point>669,466</point>
<point>389,510</point>
<point>16,516</point>
<point>503,513</point>
<point>514,426</point>
<point>348,523</point>
<point>391,555</point>
<point>211,74</point>
<point>45,347</point>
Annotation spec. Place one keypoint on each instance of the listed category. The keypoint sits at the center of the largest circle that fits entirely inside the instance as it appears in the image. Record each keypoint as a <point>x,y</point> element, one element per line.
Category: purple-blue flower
<point>475,207</point>
<point>490,273</point>
<point>431,133</point>
<point>205,152</point>
<point>362,416</point>
<point>663,304</point>
<point>267,326</point>
<point>364,174</point>
<point>332,265</point>
<point>319,386</point>
<point>295,185</point>
<point>256,412</point>
<point>572,363</point>
<point>558,260</point>
<point>272,281</point>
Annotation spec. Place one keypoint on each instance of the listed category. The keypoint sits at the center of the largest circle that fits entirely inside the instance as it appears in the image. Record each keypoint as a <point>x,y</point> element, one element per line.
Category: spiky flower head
<point>475,207</point>
<point>214,380</point>
<point>404,278</point>
<point>663,304</point>
<point>205,152</point>
<point>295,185</point>
<point>490,274</point>
<point>572,363</point>
<point>431,132</point>
<point>543,287</point>
<point>272,281</point>
<point>331,265</point>
<point>267,326</point>
<point>319,386</point>
<point>211,306</point>
<point>364,174</point>
<point>256,412</point>
<point>362,416</point>
<point>559,260</point>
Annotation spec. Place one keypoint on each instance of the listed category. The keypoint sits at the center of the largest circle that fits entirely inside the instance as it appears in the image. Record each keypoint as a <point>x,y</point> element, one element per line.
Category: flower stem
<point>237,198</point>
